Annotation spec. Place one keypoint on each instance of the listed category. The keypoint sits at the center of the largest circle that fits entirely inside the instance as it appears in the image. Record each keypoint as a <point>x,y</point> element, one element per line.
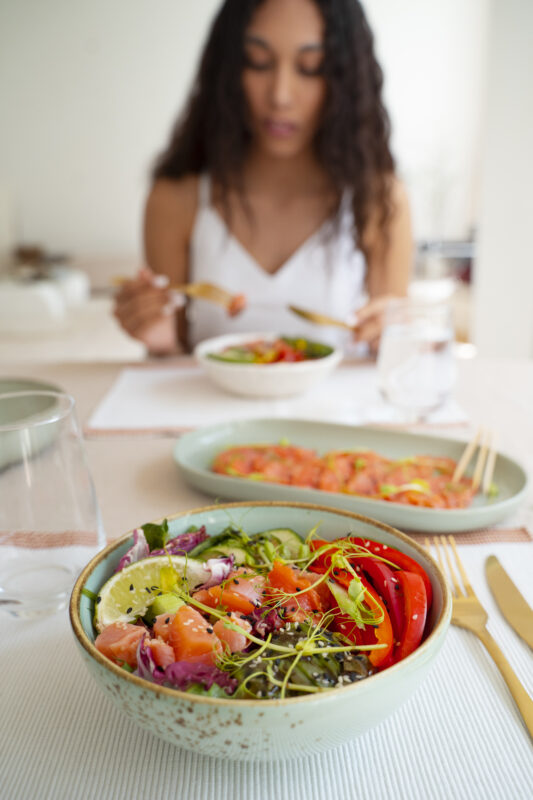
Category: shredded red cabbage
<point>146,666</point>
<point>183,543</point>
<point>178,546</point>
<point>138,550</point>
<point>182,674</point>
<point>264,620</point>
<point>219,568</point>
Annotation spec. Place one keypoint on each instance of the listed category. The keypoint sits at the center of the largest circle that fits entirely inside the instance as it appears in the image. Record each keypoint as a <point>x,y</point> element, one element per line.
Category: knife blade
<point>510,601</point>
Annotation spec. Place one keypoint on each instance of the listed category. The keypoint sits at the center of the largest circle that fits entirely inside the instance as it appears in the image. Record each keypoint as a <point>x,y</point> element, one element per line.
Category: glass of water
<point>49,519</point>
<point>416,365</point>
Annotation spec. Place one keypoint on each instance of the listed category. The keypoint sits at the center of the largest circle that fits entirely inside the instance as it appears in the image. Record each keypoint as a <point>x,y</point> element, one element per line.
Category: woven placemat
<point>481,536</point>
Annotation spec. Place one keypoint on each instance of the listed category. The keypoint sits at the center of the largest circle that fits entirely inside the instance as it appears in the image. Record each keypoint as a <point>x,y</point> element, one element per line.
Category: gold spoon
<point>320,319</point>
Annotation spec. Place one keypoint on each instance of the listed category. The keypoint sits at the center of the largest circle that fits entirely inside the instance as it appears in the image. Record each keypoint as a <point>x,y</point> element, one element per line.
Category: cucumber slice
<point>228,536</point>
<point>292,542</point>
<point>234,355</point>
<point>241,556</point>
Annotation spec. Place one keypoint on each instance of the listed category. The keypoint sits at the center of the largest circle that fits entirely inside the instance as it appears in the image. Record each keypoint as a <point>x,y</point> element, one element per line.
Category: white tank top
<point>326,273</point>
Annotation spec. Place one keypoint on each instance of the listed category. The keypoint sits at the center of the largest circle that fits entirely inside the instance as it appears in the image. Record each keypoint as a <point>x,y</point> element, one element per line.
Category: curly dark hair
<point>352,142</point>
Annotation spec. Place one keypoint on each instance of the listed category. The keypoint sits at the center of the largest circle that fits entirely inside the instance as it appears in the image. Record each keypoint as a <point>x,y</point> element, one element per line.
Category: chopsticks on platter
<point>484,466</point>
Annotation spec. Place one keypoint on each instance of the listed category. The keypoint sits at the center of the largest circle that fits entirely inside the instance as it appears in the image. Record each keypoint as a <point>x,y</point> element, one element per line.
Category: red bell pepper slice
<point>415,608</point>
<point>386,584</point>
<point>380,634</point>
<point>397,558</point>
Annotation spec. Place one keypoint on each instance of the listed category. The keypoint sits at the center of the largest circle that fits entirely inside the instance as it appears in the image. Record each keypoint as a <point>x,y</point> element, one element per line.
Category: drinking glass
<point>49,519</point>
<point>416,365</point>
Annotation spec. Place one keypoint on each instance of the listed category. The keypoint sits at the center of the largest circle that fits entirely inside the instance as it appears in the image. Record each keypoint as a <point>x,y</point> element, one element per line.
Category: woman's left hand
<point>369,321</point>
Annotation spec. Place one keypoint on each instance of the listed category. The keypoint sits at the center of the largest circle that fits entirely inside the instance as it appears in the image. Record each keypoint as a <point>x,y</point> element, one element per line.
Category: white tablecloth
<point>459,736</point>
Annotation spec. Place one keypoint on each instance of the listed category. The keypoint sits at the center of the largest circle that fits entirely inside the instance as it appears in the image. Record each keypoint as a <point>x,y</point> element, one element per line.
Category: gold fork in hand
<point>468,613</point>
<point>319,319</point>
<point>233,303</point>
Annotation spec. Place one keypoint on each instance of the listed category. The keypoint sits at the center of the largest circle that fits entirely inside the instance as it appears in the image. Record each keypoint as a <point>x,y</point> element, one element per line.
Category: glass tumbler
<point>416,363</point>
<point>49,519</point>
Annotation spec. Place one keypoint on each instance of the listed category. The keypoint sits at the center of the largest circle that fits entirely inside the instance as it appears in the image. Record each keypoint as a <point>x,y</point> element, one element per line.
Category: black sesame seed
<point>298,589</point>
<point>209,630</point>
<point>131,587</point>
<point>148,589</point>
<point>129,610</point>
<point>98,599</point>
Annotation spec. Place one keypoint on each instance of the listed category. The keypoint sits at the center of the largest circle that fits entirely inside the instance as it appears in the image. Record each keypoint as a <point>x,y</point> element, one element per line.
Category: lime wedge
<point>128,593</point>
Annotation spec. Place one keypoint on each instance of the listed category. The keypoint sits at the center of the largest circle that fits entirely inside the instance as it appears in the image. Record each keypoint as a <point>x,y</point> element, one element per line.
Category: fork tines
<point>486,459</point>
<point>447,542</point>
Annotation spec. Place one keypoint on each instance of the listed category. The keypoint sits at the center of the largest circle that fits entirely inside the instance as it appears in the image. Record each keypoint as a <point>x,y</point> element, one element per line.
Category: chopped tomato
<point>237,304</point>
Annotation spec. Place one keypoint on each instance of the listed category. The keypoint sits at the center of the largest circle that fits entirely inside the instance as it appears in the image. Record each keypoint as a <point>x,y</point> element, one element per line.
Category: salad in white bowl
<point>266,364</point>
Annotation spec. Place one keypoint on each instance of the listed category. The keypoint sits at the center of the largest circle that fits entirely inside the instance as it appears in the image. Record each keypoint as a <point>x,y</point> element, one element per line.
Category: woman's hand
<point>146,310</point>
<point>369,321</point>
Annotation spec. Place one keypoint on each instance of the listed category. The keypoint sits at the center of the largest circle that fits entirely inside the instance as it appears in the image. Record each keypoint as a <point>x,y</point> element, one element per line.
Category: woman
<point>278,182</point>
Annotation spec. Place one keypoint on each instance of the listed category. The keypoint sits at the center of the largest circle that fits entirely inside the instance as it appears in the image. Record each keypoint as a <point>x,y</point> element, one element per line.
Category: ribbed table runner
<point>458,736</point>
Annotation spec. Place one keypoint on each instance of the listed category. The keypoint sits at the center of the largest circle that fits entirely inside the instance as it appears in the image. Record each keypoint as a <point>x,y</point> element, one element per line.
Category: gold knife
<point>510,601</point>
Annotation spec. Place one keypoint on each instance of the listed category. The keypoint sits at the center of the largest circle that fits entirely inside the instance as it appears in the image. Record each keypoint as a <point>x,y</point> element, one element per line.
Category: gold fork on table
<point>468,613</point>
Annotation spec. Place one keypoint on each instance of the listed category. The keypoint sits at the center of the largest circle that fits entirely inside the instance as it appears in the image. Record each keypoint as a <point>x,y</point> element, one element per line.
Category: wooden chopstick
<point>481,458</point>
<point>485,462</point>
<point>464,461</point>
<point>489,469</point>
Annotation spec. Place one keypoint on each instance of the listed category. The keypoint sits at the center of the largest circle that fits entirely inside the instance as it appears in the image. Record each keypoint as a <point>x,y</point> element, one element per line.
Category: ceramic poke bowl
<point>279,379</point>
<point>262,729</point>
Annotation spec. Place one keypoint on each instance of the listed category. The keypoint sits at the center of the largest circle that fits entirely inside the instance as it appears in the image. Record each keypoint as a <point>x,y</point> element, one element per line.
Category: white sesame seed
<point>415,616</point>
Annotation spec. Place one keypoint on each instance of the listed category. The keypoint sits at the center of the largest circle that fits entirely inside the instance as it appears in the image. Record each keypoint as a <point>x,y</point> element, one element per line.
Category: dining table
<point>460,734</point>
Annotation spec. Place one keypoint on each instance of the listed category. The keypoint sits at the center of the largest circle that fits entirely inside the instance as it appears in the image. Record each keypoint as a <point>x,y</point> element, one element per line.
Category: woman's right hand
<point>146,310</point>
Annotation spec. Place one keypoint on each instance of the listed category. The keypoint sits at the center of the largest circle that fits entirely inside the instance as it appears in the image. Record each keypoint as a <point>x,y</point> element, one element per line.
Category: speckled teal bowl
<point>262,729</point>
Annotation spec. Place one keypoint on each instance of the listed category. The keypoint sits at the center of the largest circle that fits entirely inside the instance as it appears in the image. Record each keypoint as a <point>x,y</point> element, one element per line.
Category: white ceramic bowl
<point>262,729</point>
<point>262,380</point>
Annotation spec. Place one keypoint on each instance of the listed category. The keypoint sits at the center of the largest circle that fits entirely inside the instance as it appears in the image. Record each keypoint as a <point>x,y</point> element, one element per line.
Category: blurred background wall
<point>88,92</point>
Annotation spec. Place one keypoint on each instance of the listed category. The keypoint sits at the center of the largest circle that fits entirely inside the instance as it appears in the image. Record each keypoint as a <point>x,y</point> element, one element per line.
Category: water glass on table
<point>49,519</point>
<point>416,365</point>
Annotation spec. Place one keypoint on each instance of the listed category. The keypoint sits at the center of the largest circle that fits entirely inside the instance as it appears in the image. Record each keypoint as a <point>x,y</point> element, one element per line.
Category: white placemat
<point>458,736</point>
<point>179,398</point>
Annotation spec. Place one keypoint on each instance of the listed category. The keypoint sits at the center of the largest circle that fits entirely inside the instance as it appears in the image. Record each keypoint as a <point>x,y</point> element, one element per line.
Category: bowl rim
<point>201,354</point>
<point>440,625</point>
